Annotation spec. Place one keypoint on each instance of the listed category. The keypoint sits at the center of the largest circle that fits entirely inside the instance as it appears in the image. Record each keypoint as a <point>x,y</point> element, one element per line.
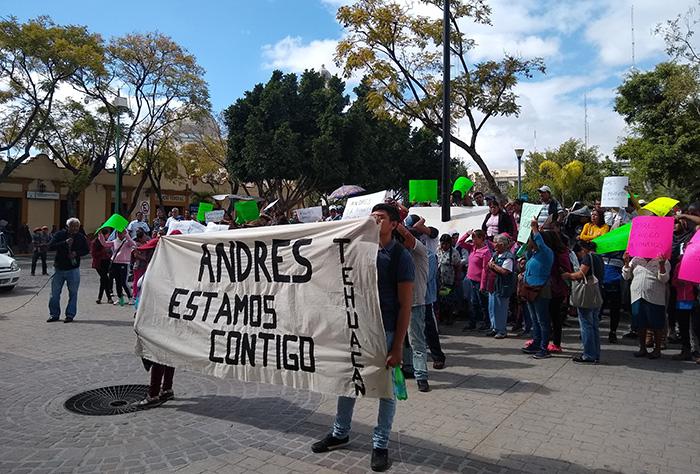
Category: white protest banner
<point>214,216</point>
<point>528,212</point>
<point>287,305</point>
<point>186,227</point>
<point>213,227</point>
<point>310,214</point>
<point>461,220</point>
<point>361,206</point>
<point>614,194</point>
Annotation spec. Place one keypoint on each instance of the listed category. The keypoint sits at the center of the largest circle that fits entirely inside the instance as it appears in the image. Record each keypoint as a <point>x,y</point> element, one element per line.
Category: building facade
<point>35,194</point>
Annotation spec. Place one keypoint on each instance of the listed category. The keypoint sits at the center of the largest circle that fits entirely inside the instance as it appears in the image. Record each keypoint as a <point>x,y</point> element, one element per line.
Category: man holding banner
<point>395,274</point>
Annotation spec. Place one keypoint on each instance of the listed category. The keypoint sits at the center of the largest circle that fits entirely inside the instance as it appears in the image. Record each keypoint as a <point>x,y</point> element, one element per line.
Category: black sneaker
<point>52,320</point>
<point>408,373</point>
<point>423,386</point>
<point>531,349</point>
<point>542,355</point>
<point>580,360</point>
<point>631,335</point>
<point>491,333</point>
<point>68,320</point>
<point>329,443</point>
<point>380,460</point>
<point>612,338</point>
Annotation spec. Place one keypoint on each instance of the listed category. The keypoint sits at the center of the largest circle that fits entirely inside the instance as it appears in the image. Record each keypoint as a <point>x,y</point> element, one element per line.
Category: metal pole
<point>446,129</point>
<point>519,155</point>
<point>118,185</point>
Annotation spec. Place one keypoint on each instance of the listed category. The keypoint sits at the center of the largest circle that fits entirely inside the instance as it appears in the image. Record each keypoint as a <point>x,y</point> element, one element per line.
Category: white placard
<point>361,206</point>
<point>310,214</point>
<point>614,194</point>
<point>461,220</point>
<point>286,305</point>
<point>214,216</point>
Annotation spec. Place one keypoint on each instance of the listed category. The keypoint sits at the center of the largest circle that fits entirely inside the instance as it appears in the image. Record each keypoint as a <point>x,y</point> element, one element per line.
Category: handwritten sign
<point>214,216</point>
<point>614,194</point>
<point>690,264</point>
<point>651,236</point>
<point>361,206</point>
<point>310,214</point>
<point>529,212</point>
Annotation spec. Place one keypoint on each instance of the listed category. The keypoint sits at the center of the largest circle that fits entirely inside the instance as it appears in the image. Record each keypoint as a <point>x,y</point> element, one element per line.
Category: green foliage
<point>294,139</point>
<point>662,108</point>
<point>35,58</point>
<point>573,171</point>
<point>400,51</point>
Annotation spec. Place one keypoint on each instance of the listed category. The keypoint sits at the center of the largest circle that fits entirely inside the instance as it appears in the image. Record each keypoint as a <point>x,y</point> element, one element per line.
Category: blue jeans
<point>72,280</point>
<point>416,356</point>
<point>479,303</point>
<point>539,312</point>
<point>385,417</point>
<point>590,334</point>
<point>498,312</point>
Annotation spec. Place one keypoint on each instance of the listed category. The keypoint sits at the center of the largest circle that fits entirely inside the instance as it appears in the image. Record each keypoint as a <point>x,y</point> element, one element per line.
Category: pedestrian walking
<point>40,240</point>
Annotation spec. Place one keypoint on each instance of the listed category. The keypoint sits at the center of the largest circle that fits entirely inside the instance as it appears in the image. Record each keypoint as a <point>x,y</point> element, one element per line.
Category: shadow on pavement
<point>408,453</point>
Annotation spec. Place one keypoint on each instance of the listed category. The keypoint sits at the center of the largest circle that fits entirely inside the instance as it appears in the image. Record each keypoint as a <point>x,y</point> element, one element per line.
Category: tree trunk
<point>71,207</point>
<point>135,199</point>
<point>482,166</point>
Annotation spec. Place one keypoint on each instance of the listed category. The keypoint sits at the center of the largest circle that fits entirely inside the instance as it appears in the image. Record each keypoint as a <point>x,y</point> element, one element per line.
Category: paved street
<point>492,409</point>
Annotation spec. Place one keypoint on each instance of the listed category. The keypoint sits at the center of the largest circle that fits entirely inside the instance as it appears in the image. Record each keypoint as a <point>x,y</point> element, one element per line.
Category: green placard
<point>116,222</point>
<point>463,185</point>
<point>204,207</point>
<point>246,211</point>
<point>422,190</point>
<point>614,241</point>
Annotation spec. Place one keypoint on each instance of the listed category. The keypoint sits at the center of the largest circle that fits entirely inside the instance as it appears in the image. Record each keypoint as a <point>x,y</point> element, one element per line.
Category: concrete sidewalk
<point>492,409</point>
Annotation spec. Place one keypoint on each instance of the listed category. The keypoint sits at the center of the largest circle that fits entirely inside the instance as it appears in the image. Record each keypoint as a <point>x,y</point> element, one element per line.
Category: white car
<point>9,268</point>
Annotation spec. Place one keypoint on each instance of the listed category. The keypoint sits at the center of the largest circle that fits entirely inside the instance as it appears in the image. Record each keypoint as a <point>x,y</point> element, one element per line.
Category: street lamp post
<point>519,155</point>
<point>446,123</point>
<point>120,104</point>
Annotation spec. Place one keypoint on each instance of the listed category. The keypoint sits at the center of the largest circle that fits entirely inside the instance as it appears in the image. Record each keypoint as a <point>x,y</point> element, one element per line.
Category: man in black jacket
<point>69,245</point>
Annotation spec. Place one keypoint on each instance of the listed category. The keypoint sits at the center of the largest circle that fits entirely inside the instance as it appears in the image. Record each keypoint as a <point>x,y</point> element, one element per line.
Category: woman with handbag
<point>587,298</point>
<point>648,294</point>
<point>535,288</point>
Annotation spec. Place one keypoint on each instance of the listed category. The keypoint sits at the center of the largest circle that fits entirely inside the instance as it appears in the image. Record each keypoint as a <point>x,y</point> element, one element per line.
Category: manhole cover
<point>107,400</point>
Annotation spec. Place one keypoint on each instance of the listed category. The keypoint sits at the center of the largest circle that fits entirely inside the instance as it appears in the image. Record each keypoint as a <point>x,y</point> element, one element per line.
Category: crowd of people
<point>484,276</point>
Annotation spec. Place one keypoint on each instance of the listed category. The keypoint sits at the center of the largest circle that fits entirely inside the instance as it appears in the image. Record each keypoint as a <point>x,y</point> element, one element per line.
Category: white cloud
<point>611,32</point>
<point>293,55</point>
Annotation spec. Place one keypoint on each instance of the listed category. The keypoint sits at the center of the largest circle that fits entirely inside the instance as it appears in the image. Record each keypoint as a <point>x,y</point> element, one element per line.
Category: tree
<point>163,82</point>
<point>284,136</point>
<point>573,172</point>
<point>678,34</point>
<point>399,50</point>
<point>662,109</point>
<point>36,58</point>
<point>80,139</point>
<point>205,149</point>
<point>385,153</point>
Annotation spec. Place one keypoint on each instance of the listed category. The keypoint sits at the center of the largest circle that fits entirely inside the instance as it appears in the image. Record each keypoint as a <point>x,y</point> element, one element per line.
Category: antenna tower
<point>585,120</point>
<point>634,62</point>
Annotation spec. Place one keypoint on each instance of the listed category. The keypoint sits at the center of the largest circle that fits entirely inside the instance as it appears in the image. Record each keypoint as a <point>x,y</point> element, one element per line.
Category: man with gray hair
<point>69,245</point>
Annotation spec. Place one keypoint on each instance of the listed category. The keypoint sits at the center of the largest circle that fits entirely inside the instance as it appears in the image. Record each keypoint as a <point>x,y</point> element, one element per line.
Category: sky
<point>586,45</point>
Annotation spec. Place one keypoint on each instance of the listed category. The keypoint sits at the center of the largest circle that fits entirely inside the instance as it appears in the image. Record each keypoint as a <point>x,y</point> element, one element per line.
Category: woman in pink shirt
<point>121,246</point>
<point>479,256</point>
